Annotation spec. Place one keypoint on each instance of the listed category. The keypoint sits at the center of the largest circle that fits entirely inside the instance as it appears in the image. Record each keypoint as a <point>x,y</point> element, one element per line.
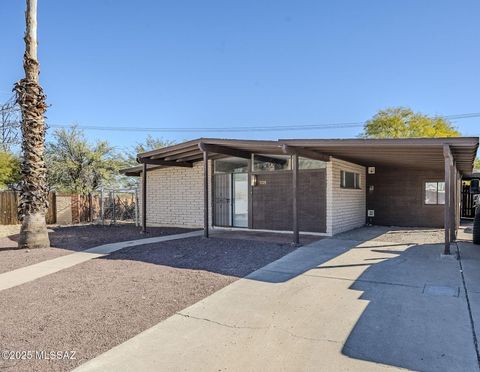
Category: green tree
<point>74,165</point>
<point>477,164</point>
<point>10,172</point>
<point>151,143</point>
<point>402,122</point>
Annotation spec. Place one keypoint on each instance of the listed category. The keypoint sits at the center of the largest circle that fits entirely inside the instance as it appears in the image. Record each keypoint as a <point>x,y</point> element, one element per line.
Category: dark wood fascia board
<point>220,149</point>
<point>226,150</point>
<point>394,142</point>
<point>169,149</point>
<point>305,153</point>
<point>447,153</point>
<point>164,163</point>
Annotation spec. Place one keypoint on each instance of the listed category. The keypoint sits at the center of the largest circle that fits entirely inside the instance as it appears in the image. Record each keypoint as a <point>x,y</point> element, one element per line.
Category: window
<point>271,162</point>
<point>230,165</point>
<point>434,193</point>
<point>349,180</point>
<point>304,163</point>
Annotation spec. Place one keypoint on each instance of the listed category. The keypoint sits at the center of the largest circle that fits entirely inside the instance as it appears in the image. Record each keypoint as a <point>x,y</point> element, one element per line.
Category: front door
<point>231,199</point>
<point>240,200</point>
<point>223,199</point>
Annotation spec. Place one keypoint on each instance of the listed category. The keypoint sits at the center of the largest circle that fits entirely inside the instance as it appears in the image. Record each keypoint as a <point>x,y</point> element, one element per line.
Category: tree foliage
<point>10,122</point>
<point>477,164</point>
<point>402,122</point>
<point>76,166</point>
<point>9,170</point>
<point>151,143</point>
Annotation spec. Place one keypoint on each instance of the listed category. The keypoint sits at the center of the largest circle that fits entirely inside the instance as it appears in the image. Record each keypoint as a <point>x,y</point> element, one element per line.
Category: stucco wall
<point>175,196</point>
<point>346,208</point>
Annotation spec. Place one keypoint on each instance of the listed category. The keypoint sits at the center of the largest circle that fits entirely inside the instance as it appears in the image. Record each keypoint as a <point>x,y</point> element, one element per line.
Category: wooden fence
<point>9,208</point>
<point>72,209</point>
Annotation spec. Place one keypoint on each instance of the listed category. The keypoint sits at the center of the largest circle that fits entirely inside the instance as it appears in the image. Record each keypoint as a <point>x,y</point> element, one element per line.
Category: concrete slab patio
<point>335,305</point>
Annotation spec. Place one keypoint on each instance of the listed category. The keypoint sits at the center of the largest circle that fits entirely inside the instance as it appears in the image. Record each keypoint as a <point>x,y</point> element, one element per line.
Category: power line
<point>243,128</point>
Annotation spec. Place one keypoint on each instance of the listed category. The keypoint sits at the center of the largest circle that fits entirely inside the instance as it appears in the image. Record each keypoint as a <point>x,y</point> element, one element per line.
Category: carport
<point>448,158</point>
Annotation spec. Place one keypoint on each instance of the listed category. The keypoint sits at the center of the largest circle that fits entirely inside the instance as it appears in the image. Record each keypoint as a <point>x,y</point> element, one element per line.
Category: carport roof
<point>421,153</point>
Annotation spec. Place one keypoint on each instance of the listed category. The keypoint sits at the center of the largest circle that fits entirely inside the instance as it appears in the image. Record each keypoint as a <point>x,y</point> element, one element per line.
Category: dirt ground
<point>66,239</point>
<point>101,303</point>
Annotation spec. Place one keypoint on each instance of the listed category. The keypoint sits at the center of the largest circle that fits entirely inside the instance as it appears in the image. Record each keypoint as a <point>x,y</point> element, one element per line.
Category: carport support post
<point>453,202</point>
<point>144,198</point>
<point>296,236</point>
<point>447,215</point>
<point>205,194</point>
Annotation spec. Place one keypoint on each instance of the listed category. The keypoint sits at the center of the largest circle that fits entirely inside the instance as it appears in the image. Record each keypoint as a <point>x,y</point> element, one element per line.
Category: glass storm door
<point>240,199</point>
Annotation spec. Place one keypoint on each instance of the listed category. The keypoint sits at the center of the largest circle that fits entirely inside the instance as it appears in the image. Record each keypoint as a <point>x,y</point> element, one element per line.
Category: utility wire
<point>243,128</point>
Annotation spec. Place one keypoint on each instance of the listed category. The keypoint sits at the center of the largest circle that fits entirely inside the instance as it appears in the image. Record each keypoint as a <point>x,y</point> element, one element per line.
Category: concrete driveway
<point>368,300</point>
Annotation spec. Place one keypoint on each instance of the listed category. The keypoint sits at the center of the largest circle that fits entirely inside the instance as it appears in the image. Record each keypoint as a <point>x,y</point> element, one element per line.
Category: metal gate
<point>222,199</point>
<point>468,209</point>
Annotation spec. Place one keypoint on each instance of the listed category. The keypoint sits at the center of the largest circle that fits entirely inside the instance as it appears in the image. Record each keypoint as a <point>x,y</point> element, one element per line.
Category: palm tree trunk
<point>30,97</point>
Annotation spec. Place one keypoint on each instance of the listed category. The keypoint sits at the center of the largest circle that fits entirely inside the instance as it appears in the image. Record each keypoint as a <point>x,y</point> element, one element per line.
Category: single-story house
<point>321,186</point>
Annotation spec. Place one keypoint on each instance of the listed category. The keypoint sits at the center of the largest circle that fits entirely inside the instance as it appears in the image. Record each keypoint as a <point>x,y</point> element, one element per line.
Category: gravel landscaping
<point>98,304</point>
<point>66,239</point>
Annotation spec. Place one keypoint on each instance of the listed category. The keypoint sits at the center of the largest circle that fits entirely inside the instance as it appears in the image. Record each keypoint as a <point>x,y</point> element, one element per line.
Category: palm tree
<point>30,97</point>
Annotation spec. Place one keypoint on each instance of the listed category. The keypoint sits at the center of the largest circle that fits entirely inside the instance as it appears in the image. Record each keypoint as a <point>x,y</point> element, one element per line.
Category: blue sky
<point>184,64</point>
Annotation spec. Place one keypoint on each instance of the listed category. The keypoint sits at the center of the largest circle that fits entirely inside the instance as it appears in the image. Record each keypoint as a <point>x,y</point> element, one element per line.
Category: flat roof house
<point>323,186</point>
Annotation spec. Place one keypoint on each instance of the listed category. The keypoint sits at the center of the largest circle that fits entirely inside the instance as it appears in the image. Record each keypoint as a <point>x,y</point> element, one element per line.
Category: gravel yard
<point>66,239</point>
<point>98,304</point>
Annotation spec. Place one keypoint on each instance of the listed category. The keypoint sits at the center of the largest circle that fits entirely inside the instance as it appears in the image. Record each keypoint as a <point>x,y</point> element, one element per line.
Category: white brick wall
<point>346,208</point>
<point>175,196</point>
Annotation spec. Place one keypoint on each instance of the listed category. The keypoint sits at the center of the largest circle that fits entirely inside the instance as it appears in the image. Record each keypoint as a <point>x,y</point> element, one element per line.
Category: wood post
<point>296,235</point>
<point>453,203</point>
<point>447,215</point>
<point>250,193</point>
<point>136,207</point>
<point>144,198</point>
<point>205,194</point>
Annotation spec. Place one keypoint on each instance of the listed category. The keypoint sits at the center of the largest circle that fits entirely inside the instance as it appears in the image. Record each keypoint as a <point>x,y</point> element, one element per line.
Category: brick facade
<point>346,208</point>
<point>175,196</point>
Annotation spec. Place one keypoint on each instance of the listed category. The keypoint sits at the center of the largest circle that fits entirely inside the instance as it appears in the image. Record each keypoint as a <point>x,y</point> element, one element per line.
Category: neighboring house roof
<point>423,153</point>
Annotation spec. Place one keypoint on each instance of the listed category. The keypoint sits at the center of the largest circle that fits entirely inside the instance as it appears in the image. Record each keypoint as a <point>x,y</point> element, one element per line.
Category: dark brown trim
<point>144,198</point>
<point>421,153</point>
<point>296,235</point>
<point>453,191</point>
<point>205,194</point>
<point>164,163</point>
<point>225,150</point>
<point>219,149</point>
<point>448,167</point>
<point>250,192</point>
<point>305,153</point>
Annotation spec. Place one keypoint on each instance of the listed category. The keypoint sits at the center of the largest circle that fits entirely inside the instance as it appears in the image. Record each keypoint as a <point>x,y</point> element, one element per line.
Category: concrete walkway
<point>335,305</point>
<point>28,273</point>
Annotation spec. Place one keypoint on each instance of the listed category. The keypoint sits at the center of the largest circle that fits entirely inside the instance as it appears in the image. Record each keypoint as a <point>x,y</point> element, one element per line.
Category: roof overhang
<point>420,153</point>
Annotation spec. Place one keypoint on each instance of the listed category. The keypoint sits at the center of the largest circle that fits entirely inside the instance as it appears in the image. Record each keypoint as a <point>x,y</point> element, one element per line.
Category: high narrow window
<point>349,180</point>
<point>434,193</point>
<point>267,163</point>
